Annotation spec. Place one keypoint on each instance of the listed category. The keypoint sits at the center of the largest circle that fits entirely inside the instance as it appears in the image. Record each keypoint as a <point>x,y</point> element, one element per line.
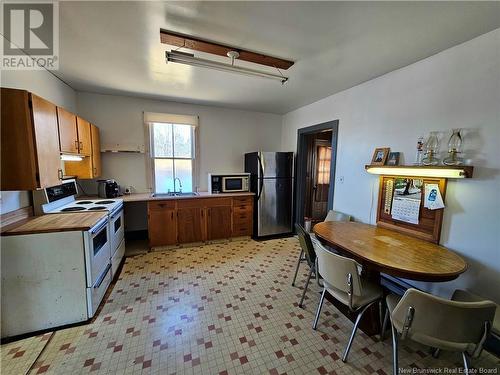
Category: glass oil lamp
<point>454,149</point>
<point>431,149</point>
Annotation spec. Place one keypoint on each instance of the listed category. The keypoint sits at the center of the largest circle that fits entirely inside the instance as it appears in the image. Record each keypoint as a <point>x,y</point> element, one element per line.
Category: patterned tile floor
<point>216,309</point>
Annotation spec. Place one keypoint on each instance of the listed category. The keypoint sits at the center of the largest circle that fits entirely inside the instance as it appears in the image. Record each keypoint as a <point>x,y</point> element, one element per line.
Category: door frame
<point>301,165</point>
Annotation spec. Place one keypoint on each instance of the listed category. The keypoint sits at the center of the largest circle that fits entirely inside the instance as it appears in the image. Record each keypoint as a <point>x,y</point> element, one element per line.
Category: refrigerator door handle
<point>260,178</point>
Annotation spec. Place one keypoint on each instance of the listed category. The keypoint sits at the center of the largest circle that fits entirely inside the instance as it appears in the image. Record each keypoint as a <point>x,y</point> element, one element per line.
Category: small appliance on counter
<point>108,188</point>
<point>228,182</point>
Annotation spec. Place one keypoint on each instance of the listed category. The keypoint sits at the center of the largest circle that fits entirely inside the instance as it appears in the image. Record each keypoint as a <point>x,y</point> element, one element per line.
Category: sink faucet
<point>180,185</point>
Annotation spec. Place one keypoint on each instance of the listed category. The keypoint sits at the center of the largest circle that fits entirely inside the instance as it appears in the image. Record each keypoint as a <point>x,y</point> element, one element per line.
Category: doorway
<point>315,171</point>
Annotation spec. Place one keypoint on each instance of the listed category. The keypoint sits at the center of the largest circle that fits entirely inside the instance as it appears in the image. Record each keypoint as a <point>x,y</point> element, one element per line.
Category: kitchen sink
<point>177,194</point>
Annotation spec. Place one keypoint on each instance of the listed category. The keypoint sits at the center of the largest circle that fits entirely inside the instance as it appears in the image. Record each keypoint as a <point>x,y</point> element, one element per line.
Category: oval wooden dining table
<point>396,254</point>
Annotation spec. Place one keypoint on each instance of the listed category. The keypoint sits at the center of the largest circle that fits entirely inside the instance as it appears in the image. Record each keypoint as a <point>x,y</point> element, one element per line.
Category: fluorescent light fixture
<point>66,157</point>
<point>189,59</point>
<point>442,172</point>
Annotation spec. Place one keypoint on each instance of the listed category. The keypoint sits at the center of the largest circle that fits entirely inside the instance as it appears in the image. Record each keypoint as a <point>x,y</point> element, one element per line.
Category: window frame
<point>194,153</point>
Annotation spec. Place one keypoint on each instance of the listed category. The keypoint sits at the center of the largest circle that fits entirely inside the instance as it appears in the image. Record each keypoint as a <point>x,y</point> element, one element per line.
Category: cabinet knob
<point>76,145</point>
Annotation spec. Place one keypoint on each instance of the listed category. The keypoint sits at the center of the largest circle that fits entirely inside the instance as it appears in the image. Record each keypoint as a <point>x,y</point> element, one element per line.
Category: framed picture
<point>380,155</point>
<point>393,158</point>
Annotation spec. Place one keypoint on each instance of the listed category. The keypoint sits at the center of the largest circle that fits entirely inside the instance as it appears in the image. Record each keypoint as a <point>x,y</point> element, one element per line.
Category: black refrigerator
<point>271,179</point>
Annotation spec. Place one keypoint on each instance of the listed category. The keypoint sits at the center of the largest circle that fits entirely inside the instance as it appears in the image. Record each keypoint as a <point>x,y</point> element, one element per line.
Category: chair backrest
<point>335,270</point>
<point>337,216</point>
<point>306,244</point>
<point>443,323</point>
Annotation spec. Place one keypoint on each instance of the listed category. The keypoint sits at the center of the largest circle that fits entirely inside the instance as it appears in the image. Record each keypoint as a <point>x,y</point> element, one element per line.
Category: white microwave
<point>229,183</point>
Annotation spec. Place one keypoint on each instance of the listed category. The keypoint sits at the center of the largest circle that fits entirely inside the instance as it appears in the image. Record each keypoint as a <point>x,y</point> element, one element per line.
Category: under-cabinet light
<point>442,172</point>
<point>71,157</point>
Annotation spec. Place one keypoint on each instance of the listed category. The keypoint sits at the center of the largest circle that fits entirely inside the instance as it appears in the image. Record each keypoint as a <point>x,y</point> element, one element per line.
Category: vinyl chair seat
<point>371,292</point>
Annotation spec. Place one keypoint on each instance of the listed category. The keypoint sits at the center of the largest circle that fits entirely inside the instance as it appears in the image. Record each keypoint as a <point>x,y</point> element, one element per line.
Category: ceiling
<point>114,47</point>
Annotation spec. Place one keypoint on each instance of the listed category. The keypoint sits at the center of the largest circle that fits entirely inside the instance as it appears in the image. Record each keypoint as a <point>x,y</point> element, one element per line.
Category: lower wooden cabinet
<point>218,222</point>
<point>190,224</point>
<point>173,222</point>
<point>162,224</point>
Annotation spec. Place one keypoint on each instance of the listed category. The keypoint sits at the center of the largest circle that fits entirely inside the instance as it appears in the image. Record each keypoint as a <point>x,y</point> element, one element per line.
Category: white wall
<point>225,135</point>
<point>457,88</point>
<point>47,86</point>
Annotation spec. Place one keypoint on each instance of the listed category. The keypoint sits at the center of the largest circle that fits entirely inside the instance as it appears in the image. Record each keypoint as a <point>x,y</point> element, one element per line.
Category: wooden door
<point>68,136</point>
<point>162,226</point>
<point>46,141</point>
<point>190,224</point>
<point>96,151</point>
<point>321,178</point>
<point>84,137</point>
<point>218,222</point>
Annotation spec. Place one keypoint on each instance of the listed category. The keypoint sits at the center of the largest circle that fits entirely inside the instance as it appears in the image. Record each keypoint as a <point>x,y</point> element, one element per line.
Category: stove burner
<point>97,208</point>
<point>84,202</point>
<point>73,209</point>
<point>104,202</point>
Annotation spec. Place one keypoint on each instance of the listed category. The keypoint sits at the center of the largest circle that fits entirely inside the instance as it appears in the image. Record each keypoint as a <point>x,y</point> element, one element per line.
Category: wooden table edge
<point>410,275</point>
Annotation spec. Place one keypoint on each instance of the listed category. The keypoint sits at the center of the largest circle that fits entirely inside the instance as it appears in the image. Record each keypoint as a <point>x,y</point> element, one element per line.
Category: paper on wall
<point>433,199</point>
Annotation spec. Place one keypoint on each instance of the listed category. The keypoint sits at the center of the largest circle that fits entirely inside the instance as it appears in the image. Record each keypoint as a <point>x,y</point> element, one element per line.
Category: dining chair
<point>337,216</point>
<point>331,216</point>
<point>307,253</point>
<point>343,282</point>
<point>439,323</point>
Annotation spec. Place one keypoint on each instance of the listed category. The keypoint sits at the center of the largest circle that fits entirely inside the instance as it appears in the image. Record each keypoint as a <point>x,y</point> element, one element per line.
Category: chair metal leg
<point>384,324</point>
<point>466,363</point>
<point>305,286</point>
<point>395,364</point>
<point>354,329</point>
<point>435,353</point>
<point>298,265</point>
<point>315,324</point>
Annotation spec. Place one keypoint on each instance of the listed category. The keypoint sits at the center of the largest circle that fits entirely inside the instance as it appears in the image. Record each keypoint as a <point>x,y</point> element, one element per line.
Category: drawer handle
<point>101,278</point>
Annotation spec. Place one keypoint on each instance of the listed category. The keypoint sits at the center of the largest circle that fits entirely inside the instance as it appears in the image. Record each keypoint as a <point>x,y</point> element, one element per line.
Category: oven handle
<point>99,281</point>
<point>95,230</point>
<point>117,213</point>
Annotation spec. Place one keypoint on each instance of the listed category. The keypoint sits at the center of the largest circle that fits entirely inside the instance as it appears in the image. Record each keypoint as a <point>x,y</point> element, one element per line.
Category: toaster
<point>108,189</point>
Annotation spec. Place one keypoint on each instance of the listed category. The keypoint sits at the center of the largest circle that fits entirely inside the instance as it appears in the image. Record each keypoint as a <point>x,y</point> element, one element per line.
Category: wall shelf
<point>438,171</point>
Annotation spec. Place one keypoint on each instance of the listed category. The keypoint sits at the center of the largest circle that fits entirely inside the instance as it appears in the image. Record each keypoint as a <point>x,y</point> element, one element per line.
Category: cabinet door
<point>190,222</point>
<point>68,136</point>
<point>47,142</point>
<point>218,222</point>
<point>162,226</point>
<point>96,151</point>
<point>84,137</point>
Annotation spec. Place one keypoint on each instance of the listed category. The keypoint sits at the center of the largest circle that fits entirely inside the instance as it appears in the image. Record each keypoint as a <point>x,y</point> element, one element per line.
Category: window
<point>173,156</point>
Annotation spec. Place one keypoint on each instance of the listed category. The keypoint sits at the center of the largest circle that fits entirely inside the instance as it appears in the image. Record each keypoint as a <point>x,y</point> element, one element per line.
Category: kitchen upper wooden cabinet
<point>30,142</point>
<point>90,166</point>
<point>68,134</point>
<point>96,151</point>
<point>198,219</point>
<point>162,223</point>
<point>84,136</point>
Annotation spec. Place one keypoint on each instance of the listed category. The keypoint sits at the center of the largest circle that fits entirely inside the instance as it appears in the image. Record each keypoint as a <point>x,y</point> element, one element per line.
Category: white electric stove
<point>62,199</point>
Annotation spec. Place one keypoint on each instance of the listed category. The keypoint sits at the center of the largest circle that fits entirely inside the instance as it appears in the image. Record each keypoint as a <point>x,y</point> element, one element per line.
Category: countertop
<point>80,221</point>
<point>143,197</point>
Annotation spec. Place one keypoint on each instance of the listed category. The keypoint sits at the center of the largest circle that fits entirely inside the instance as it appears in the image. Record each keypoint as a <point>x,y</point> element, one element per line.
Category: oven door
<point>117,230</point>
<point>97,251</point>
<point>234,184</point>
